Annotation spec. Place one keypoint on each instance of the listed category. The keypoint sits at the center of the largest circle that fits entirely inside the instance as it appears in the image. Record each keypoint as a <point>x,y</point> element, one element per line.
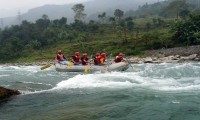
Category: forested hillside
<point>92,9</point>
<point>151,26</point>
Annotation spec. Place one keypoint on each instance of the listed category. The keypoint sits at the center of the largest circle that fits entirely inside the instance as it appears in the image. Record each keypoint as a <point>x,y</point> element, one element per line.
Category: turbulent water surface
<point>143,92</point>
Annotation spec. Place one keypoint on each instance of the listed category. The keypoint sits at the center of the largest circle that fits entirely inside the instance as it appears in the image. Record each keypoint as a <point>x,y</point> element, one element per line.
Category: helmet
<point>121,55</point>
<point>76,53</point>
<point>103,54</point>
<point>59,51</point>
<point>85,54</point>
<point>97,54</point>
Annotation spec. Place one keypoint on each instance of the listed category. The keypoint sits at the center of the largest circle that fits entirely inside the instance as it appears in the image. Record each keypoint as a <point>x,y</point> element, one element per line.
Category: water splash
<point>177,77</point>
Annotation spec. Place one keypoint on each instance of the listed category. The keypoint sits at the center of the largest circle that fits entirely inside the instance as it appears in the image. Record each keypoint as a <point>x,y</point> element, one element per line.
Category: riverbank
<point>135,60</point>
<point>171,55</point>
<point>165,59</point>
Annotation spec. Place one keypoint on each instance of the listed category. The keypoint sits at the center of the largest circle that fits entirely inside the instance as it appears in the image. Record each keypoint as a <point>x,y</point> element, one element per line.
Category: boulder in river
<point>6,93</point>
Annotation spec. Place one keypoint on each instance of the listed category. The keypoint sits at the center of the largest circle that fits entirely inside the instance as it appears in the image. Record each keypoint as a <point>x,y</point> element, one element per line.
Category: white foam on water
<point>20,68</point>
<point>175,102</point>
<point>32,92</point>
<point>180,88</point>
<point>107,80</point>
<point>5,75</point>
<point>128,80</point>
<point>15,67</point>
<point>35,83</point>
<point>5,85</point>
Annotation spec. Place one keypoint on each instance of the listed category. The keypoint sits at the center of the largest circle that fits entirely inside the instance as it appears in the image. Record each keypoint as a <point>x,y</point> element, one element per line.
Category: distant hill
<point>92,9</point>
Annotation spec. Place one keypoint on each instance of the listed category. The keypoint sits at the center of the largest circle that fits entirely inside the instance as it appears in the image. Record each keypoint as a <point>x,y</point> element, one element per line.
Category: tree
<point>148,25</point>
<point>184,13</point>
<point>35,44</point>
<point>196,11</point>
<point>126,26</point>
<point>43,22</point>
<point>45,17</point>
<point>161,22</point>
<point>61,22</point>
<point>157,22</point>
<point>92,27</point>
<point>187,31</point>
<point>102,17</point>
<point>175,7</point>
<point>79,26</point>
<point>154,20</point>
<point>12,48</point>
<point>129,23</point>
<point>112,19</point>
<point>79,14</point>
<point>118,14</point>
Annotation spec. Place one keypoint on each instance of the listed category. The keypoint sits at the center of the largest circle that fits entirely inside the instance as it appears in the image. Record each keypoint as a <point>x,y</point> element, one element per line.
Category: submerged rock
<point>6,93</point>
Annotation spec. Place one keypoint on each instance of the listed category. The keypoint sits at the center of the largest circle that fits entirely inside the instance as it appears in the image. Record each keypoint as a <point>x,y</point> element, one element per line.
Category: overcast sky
<point>12,7</point>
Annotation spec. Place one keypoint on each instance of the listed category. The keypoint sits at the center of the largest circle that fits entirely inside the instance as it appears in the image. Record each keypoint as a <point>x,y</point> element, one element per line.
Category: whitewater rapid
<point>166,77</point>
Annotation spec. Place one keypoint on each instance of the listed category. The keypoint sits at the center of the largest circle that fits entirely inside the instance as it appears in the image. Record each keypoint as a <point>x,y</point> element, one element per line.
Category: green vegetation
<point>160,25</point>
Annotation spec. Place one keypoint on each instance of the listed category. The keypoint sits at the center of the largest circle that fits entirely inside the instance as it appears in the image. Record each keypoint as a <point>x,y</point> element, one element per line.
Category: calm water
<point>147,92</point>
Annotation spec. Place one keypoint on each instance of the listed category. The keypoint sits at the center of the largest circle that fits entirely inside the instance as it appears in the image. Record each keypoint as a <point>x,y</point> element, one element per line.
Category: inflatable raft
<point>121,66</point>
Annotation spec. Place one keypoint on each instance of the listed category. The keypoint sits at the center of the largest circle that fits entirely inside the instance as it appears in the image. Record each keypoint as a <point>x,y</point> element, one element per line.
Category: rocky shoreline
<point>165,59</point>
<point>159,58</point>
<point>135,60</point>
<point>171,55</point>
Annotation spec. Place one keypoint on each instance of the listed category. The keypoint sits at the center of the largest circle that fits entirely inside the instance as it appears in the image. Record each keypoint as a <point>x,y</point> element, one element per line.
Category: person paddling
<point>97,59</point>
<point>76,58</point>
<point>120,58</point>
<point>60,58</point>
<point>102,58</point>
<point>84,59</point>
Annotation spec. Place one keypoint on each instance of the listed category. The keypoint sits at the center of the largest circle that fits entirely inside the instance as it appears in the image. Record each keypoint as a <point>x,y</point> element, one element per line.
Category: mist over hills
<point>92,9</point>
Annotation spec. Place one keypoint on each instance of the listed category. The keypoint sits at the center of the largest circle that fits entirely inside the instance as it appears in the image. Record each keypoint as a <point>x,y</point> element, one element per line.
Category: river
<point>166,91</point>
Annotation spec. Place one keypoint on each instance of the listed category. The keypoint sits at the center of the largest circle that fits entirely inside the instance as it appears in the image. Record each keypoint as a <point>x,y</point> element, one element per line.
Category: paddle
<point>87,67</point>
<point>45,67</point>
<point>110,57</point>
<point>131,65</point>
<point>108,63</point>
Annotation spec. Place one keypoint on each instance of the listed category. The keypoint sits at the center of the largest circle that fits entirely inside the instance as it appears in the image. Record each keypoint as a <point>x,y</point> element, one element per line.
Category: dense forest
<point>164,24</point>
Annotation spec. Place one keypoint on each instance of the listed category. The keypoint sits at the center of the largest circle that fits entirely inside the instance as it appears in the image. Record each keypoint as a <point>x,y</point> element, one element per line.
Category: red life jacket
<point>60,57</point>
<point>97,60</point>
<point>84,60</point>
<point>76,59</point>
<point>102,59</point>
<point>118,59</point>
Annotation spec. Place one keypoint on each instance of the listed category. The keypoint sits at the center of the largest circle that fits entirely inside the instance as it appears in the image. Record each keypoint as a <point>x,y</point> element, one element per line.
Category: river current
<point>166,91</point>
